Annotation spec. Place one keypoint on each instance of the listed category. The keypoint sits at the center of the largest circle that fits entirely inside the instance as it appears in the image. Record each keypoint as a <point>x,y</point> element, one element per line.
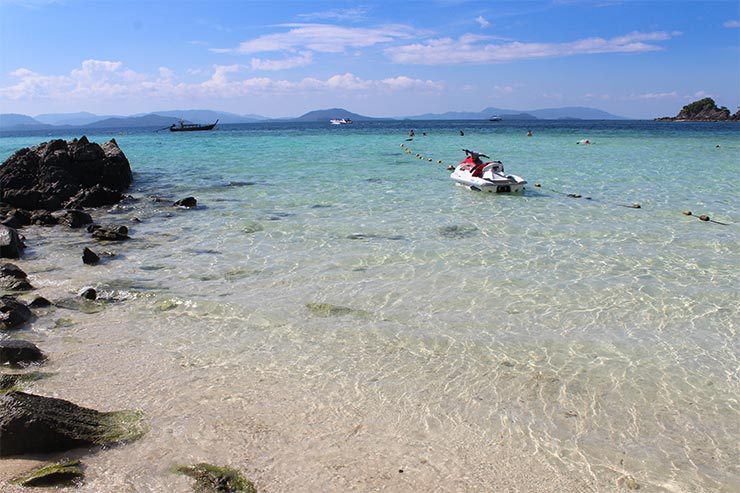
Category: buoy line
<point>634,205</point>
<point>704,217</point>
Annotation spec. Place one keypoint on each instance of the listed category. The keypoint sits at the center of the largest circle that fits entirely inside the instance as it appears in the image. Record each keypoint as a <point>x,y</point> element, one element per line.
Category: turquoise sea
<point>338,315</point>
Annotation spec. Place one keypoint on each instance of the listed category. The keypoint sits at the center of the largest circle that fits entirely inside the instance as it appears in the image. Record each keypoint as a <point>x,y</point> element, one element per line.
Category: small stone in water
<point>89,294</point>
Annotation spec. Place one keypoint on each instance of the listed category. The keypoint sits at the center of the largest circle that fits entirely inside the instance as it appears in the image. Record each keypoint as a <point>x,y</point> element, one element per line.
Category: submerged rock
<point>74,218</point>
<point>39,302</point>
<point>89,257</point>
<point>13,313</point>
<point>14,381</point>
<point>35,424</point>
<point>54,174</point>
<point>458,231</point>
<point>329,310</point>
<point>19,352</point>
<point>11,245</point>
<point>109,233</point>
<point>17,218</point>
<point>12,278</point>
<point>43,218</point>
<point>187,202</point>
<point>210,478</point>
<point>65,473</point>
<point>89,294</point>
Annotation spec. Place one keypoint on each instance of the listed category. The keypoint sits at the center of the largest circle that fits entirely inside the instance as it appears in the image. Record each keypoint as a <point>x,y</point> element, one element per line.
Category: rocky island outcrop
<point>703,110</point>
<point>58,174</point>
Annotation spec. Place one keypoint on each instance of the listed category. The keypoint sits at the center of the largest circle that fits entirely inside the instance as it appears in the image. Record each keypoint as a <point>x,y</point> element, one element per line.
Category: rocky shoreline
<point>703,110</point>
<point>50,185</point>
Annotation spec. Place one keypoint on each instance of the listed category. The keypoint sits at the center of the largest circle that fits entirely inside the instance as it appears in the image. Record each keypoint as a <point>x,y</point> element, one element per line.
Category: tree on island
<point>703,110</point>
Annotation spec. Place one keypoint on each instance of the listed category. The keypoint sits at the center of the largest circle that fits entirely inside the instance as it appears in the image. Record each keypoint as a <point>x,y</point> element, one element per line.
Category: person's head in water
<point>462,133</point>
<point>529,133</point>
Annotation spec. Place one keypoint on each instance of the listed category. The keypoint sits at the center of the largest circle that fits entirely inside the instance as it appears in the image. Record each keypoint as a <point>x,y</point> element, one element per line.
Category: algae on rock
<point>15,381</point>
<point>210,478</point>
<point>34,424</point>
<point>65,473</point>
<point>329,310</point>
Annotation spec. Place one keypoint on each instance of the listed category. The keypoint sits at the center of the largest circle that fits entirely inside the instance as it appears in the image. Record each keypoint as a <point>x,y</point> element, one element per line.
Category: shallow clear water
<point>534,342</point>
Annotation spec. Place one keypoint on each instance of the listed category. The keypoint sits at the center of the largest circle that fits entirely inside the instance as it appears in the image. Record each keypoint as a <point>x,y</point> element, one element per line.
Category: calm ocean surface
<point>337,310</point>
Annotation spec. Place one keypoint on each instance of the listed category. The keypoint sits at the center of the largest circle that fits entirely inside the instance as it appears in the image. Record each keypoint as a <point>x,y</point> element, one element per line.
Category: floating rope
<point>634,205</point>
<point>705,218</point>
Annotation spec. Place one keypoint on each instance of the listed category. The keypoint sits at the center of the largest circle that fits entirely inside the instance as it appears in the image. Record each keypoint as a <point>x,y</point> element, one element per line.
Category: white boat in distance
<point>343,121</point>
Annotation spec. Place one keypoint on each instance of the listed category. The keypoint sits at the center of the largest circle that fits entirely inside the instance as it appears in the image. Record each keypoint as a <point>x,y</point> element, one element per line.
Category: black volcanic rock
<point>43,218</point>
<point>17,218</point>
<point>35,424</point>
<point>13,313</point>
<point>19,352</point>
<point>89,257</point>
<point>57,173</point>
<point>73,218</point>
<point>89,294</point>
<point>12,278</point>
<point>187,202</point>
<point>109,232</point>
<point>11,244</point>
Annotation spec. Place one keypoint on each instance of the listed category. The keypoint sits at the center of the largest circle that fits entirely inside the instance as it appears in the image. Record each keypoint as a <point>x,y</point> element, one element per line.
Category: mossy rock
<point>210,478</point>
<point>82,305</point>
<point>167,305</point>
<point>35,424</point>
<point>64,322</point>
<point>65,473</point>
<point>250,227</point>
<point>16,381</point>
<point>329,310</point>
<point>457,231</point>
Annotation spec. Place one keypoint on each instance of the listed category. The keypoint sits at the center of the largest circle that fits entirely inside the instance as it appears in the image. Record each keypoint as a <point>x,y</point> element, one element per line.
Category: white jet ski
<point>489,176</point>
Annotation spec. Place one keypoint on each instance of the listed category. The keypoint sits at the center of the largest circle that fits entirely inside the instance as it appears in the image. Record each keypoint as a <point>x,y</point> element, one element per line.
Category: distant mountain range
<point>19,122</point>
<point>332,113</point>
<point>72,119</point>
<point>13,121</point>
<point>567,113</point>
<point>207,116</point>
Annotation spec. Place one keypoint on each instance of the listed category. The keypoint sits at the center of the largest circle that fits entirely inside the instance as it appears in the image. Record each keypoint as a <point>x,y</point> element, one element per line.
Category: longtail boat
<point>191,127</point>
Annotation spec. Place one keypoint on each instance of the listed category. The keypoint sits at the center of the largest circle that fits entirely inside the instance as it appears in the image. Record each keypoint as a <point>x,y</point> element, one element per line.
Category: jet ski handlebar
<point>473,154</point>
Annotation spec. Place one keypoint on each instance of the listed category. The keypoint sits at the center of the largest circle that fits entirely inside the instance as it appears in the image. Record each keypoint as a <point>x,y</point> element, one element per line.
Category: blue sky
<point>283,58</point>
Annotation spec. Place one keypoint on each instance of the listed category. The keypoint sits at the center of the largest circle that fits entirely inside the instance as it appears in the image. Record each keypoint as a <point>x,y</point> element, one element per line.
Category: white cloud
<point>732,24</point>
<point>105,80</point>
<point>658,95</point>
<point>406,83</point>
<point>701,94</point>
<point>553,95</point>
<point>353,14</point>
<point>482,21</point>
<point>301,60</point>
<point>471,49</point>
<point>165,73</point>
<point>326,38</point>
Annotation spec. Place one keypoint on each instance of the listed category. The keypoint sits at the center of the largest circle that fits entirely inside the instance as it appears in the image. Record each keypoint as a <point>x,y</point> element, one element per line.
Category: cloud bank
<point>105,79</point>
<point>474,49</point>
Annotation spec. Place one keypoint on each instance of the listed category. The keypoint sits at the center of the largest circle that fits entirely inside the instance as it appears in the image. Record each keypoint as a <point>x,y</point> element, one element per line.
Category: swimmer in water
<point>529,133</point>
